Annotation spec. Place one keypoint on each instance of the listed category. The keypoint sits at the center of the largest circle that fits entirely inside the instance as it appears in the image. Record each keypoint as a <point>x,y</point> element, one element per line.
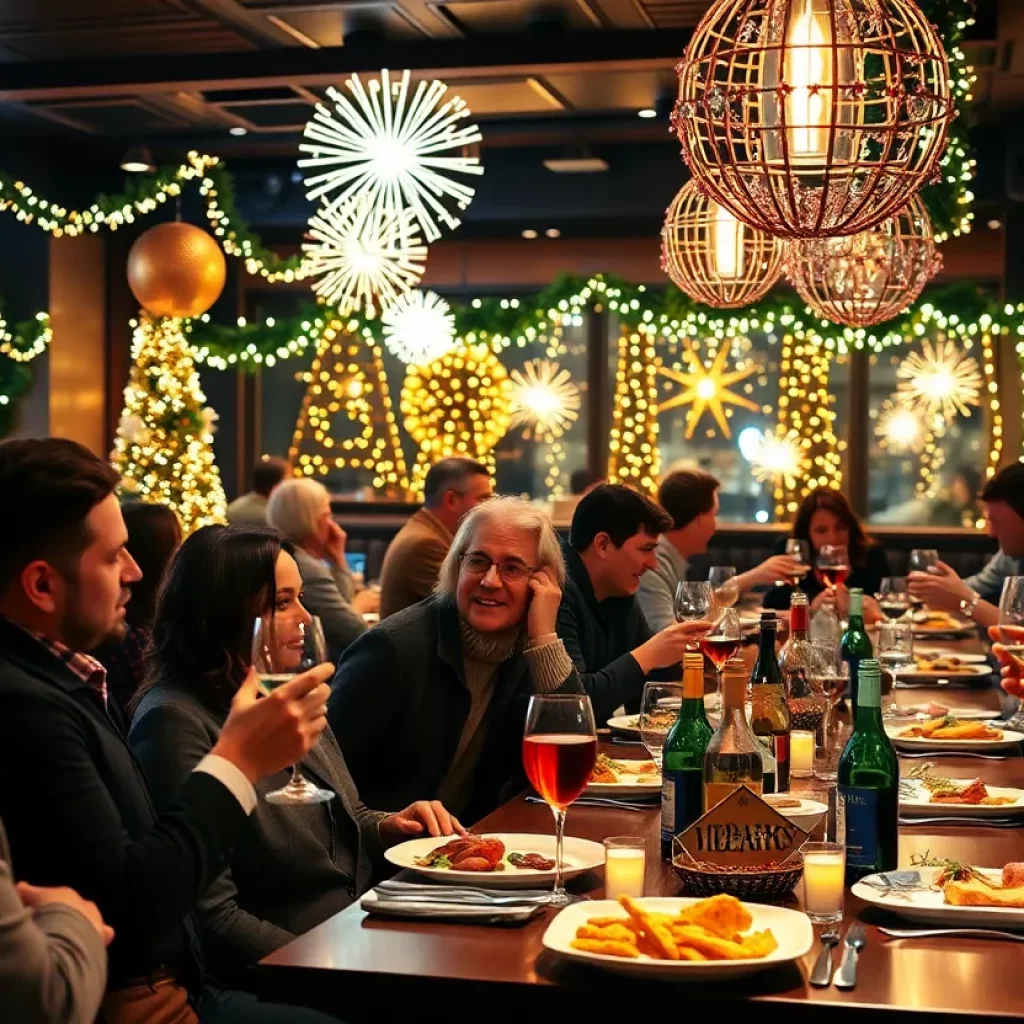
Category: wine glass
<point>895,650</point>
<point>724,587</point>
<point>694,601</point>
<point>659,710</point>
<point>281,649</point>
<point>833,565</point>
<point>722,641</point>
<point>800,551</point>
<point>922,560</point>
<point>559,753</point>
<point>894,597</point>
<point>1011,632</point>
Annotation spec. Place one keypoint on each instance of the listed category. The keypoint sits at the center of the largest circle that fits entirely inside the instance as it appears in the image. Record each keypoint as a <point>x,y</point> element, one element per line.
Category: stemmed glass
<point>921,560</point>
<point>722,642</point>
<point>800,551</point>
<point>659,710</point>
<point>282,649</point>
<point>894,597</point>
<point>895,651</point>
<point>723,585</point>
<point>1011,632</point>
<point>559,753</point>
<point>833,565</point>
<point>694,601</point>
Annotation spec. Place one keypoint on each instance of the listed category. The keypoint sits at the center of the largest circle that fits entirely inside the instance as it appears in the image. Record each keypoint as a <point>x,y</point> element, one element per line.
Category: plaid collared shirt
<point>88,669</point>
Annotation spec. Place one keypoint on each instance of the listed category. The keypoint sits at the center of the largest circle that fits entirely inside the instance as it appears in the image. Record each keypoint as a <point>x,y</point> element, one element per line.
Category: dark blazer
<point>293,867</point>
<point>868,576</point>
<point>399,703</point>
<point>77,812</point>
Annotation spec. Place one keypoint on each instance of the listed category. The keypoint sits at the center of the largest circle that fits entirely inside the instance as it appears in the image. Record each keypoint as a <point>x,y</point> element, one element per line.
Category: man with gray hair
<point>413,560</point>
<point>443,686</point>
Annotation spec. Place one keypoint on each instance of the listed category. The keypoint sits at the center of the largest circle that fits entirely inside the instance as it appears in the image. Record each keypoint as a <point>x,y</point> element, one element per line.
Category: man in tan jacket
<point>413,560</point>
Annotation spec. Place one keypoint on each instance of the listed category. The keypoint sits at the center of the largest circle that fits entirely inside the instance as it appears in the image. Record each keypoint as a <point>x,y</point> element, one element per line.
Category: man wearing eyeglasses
<point>433,700</point>
<point>413,560</point>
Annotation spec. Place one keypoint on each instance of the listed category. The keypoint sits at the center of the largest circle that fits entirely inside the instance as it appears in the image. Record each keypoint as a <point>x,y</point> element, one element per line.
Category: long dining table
<point>358,967</point>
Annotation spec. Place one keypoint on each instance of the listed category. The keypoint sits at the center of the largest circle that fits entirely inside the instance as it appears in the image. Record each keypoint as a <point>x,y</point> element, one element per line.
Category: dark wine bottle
<point>856,644</point>
<point>682,788</point>
<point>868,785</point>
<point>770,719</point>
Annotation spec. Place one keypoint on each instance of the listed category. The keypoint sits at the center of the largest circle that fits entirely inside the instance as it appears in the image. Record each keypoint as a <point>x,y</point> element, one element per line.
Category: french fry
<point>712,946</point>
<point>623,949</point>
<point>656,930</point>
<point>603,922</point>
<point>618,932</point>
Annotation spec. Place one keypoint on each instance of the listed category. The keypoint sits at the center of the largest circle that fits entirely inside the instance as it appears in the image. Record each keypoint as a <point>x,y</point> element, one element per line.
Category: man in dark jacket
<point>612,543</point>
<point>76,807</point>
<point>431,703</point>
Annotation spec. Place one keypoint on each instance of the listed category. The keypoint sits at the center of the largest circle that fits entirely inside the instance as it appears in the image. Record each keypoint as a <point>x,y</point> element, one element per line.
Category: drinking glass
<point>824,871</point>
<point>625,858</point>
<point>895,650</point>
<point>281,649</point>
<point>722,641</point>
<point>826,756</point>
<point>659,710</point>
<point>922,560</point>
<point>724,587</point>
<point>894,597</point>
<point>800,551</point>
<point>1011,632</point>
<point>559,753</point>
<point>694,601</point>
<point>833,565</point>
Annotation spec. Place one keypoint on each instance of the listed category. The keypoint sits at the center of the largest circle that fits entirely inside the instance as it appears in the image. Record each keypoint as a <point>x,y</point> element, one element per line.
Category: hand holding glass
<point>724,587</point>
<point>694,601</point>
<point>833,565</point>
<point>800,551</point>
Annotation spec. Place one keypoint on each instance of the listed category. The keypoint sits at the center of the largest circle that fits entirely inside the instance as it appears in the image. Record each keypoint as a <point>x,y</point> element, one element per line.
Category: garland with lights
<point>633,454</point>
<point>18,347</point>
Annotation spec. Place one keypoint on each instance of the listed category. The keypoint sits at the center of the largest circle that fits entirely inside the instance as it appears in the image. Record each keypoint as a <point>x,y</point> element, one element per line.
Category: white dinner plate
<point>629,725</point>
<point>792,931</point>
<point>1010,739</point>
<point>961,629</point>
<point>915,675</point>
<point>919,805</point>
<point>806,816</point>
<point>581,856</point>
<point>629,784</point>
<point>928,906</point>
<point>969,659</point>
<point>970,714</point>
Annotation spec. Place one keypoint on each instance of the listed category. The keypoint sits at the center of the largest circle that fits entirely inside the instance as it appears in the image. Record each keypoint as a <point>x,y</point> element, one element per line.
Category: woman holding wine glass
<point>321,853</point>
<point>831,529</point>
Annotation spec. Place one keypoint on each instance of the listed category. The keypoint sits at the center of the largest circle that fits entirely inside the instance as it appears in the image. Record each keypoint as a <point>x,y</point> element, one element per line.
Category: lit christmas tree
<point>164,444</point>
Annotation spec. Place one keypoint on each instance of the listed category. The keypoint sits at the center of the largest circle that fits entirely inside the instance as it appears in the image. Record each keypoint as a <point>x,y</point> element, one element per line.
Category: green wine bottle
<point>856,644</point>
<point>869,783</point>
<point>682,788</point>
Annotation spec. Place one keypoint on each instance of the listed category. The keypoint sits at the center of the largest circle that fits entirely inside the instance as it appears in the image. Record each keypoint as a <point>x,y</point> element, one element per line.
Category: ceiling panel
<point>504,96</point>
<point>119,117</point>
<point>276,116</point>
<point>477,17</point>
<point>621,90</point>
<point>674,13</point>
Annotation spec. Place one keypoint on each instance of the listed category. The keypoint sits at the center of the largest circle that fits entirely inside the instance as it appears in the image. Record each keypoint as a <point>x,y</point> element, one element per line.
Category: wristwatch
<point>968,604</point>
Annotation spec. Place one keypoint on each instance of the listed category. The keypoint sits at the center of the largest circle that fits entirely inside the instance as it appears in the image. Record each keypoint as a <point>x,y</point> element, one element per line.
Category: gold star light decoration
<point>940,379</point>
<point>707,387</point>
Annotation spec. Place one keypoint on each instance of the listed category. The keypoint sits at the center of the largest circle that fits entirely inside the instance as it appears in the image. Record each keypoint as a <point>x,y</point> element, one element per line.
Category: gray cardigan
<point>327,592</point>
<point>53,967</point>
<point>293,867</point>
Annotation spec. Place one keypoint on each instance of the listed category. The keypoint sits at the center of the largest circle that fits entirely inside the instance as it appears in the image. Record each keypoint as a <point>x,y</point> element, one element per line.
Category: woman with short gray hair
<point>445,684</point>
<point>301,511</point>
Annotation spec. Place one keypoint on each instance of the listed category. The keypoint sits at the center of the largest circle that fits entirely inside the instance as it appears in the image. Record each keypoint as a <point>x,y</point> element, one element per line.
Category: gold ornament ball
<point>176,269</point>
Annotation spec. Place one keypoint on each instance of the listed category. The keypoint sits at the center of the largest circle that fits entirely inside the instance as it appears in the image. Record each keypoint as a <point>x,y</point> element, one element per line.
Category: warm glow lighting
<point>543,396</point>
<point>900,428</point>
<point>778,456</point>
<point>940,380</point>
<point>419,327</point>
<point>707,388</point>
<point>810,72</point>
<point>727,236</point>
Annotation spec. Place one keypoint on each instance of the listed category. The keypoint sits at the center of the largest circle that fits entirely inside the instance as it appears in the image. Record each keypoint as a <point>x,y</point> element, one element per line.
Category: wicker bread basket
<point>770,884</point>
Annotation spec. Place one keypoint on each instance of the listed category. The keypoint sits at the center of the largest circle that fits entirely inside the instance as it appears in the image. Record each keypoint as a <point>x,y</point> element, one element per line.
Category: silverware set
<point>965,821</point>
<point>606,801</point>
<point>395,891</point>
<point>957,753</point>
<point>937,933</point>
<point>846,977</point>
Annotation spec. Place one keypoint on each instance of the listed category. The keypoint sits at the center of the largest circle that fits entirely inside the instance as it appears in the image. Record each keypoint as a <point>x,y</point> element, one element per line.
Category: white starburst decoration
<point>419,327</point>
<point>781,457</point>
<point>543,396</point>
<point>940,379</point>
<point>362,257</point>
<point>398,149</point>
<point>901,428</point>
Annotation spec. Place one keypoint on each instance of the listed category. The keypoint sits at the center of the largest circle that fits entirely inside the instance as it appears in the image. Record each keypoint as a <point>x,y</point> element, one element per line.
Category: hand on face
<point>545,597</point>
<point>424,816</point>
<point>334,542</point>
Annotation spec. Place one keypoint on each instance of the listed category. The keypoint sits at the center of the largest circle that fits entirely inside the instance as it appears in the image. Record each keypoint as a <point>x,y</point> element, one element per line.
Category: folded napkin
<point>395,898</point>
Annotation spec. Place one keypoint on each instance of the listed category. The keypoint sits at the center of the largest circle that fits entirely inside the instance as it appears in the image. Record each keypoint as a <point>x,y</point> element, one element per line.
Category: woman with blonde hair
<point>442,687</point>
<point>300,510</point>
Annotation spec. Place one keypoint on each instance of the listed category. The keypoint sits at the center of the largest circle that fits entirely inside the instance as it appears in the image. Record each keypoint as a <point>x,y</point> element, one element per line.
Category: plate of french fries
<point>949,733</point>
<point>680,937</point>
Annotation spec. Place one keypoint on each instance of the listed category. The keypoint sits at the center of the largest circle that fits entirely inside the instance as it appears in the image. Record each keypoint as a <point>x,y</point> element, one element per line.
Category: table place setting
<point>396,898</point>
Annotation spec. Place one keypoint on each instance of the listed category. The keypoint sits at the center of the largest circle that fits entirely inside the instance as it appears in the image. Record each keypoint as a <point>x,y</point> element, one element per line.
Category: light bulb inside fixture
<point>727,237</point>
<point>810,69</point>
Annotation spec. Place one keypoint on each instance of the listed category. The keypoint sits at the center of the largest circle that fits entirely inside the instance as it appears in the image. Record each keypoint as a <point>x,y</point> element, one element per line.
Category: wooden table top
<point>352,962</point>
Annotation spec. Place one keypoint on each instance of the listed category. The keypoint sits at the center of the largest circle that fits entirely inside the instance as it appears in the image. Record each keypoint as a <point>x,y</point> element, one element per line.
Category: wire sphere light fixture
<point>419,327</point>
<point>397,148</point>
<point>866,279</point>
<point>811,118</point>
<point>713,257</point>
<point>363,257</point>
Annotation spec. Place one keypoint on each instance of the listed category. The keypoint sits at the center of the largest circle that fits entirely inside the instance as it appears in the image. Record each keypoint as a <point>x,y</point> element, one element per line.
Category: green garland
<point>17,349</point>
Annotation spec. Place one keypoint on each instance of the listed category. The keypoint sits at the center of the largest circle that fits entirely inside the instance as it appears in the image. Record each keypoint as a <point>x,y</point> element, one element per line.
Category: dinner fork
<point>929,933</point>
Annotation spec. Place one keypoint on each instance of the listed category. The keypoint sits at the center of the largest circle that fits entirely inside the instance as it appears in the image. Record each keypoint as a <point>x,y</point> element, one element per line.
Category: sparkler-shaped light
<point>780,457</point>
<point>940,379</point>
<point>419,327</point>
<point>543,396</point>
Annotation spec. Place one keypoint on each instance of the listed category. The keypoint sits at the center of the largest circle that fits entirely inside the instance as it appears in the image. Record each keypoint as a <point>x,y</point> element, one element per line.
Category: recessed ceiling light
<point>529,233</point>
<point>995,225</point>
<point>647,112</point>
<point>238,130</point>
<point>553,233</point>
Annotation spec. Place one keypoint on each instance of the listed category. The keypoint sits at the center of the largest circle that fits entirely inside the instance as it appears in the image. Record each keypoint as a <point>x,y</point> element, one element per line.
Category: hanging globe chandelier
<point>813,118</point>
<point>866,279</point>
<point>713,257</point>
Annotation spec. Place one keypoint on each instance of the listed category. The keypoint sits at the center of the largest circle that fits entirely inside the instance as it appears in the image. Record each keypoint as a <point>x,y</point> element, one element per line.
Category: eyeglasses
<point>509,570</point>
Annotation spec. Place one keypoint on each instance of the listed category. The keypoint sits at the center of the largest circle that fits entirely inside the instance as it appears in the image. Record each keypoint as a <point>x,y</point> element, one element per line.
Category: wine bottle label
<point>857,818</point>
<point>716,792</point>
<point>668,805</point>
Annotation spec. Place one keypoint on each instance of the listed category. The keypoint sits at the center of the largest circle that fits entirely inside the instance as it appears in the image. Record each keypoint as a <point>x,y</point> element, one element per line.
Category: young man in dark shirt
<point>612,543</point>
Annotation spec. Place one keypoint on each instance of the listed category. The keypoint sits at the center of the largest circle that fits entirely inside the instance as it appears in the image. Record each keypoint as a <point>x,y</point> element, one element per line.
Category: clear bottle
<point>770,719</point>
<point>733,757</point>
<point>800,662</point>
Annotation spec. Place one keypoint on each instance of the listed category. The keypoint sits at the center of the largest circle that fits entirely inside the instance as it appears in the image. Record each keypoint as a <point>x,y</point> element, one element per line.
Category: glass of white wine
<point>283,648</point>
<point>1011,631</point>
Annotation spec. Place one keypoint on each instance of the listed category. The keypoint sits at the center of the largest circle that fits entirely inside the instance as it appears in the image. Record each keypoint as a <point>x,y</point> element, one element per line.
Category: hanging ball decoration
<point>812,118</point>
<point>176,269</point>
<point>867,279</point>
<point>713,257</point>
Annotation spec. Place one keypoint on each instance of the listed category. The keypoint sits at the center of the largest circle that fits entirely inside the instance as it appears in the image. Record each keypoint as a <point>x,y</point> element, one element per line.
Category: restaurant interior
<point>364,235</point>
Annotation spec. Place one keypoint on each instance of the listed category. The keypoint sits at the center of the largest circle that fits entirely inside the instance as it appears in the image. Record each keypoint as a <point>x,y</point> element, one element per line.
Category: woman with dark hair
<point>154,534</point>
<point>825,517</point>
<point>297,865</point>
